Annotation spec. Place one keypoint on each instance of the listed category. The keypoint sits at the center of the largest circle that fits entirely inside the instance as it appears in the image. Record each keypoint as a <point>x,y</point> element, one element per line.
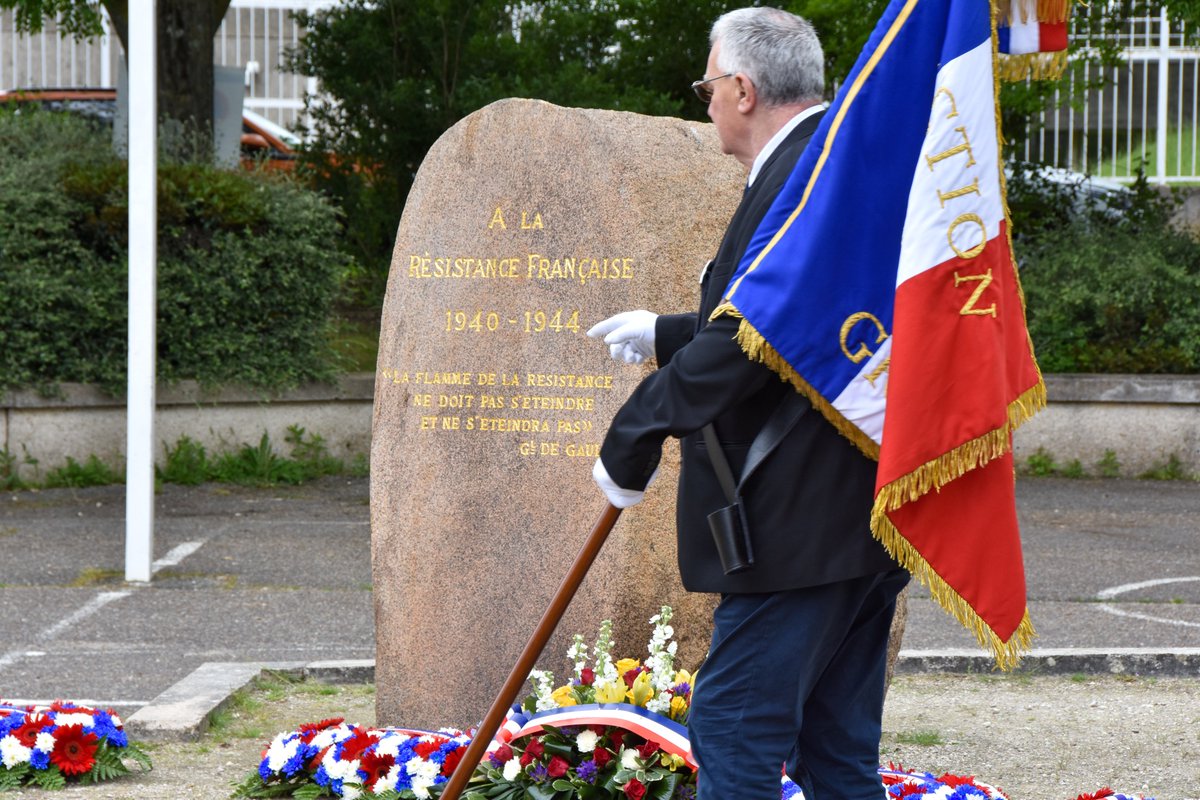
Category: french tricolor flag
<point>1027,28</point>
<point>882,286</point>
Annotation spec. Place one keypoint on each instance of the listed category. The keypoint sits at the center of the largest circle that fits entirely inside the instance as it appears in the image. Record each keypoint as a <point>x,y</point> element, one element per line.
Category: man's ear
<point>747,95</point>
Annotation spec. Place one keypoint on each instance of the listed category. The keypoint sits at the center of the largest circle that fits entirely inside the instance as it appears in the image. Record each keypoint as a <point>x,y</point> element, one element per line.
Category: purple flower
<point>587,771</point>
<point>539,774</point>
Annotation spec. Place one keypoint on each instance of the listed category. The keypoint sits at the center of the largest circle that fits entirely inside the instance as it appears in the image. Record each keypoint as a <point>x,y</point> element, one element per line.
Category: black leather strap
<point>778,425</point>
<point>790,409</point>
<point>720,463</point>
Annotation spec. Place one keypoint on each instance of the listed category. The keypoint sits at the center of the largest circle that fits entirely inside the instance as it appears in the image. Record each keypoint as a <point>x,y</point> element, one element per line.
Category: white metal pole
<point>143,229</point>
<point>105,50</point>
<point>1160,120</point>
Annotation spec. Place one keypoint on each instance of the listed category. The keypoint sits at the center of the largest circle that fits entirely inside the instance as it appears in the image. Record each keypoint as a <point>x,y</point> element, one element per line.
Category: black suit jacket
<point>808,504</point>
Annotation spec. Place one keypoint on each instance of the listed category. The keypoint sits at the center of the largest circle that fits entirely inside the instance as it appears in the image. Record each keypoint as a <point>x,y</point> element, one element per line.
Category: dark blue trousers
<point>795,678</point>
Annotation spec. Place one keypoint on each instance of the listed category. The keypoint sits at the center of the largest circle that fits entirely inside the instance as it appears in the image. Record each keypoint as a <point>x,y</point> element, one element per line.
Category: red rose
<point>631,676</point>
<point>647,749</point>
<point>616,739</point>
<point>634,789</point>
<point>502,754</point>
<point>557,767</point>
<point>535,748</point>
<point>601,757</point>
<point>588,676</point>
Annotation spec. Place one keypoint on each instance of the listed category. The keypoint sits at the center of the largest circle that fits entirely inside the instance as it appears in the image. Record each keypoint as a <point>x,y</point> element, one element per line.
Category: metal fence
<point>253,36</point>
<point>1145,117</point>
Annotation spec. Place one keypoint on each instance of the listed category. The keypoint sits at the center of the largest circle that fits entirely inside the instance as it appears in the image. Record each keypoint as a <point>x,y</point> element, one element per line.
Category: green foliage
<point>1108,466</point>
<point>10,477</point>
<point>246,276</point>
<point>73,16</point>
<point>189,463</point>
<point>92,472</point>
<point>1170,470</point>
<point>1040,464</point>
<point>1109,286</point>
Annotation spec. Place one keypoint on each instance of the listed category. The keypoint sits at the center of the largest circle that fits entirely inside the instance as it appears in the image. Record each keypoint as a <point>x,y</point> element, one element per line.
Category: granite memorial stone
<point>527,224</point>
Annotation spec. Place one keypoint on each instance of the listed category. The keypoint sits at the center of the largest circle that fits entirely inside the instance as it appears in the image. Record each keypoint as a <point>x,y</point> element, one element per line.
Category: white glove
<point>621,498</point>
<point>629,335</point>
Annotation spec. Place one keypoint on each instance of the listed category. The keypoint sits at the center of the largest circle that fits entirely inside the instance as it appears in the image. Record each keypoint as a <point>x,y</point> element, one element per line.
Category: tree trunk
<point>185,56</point>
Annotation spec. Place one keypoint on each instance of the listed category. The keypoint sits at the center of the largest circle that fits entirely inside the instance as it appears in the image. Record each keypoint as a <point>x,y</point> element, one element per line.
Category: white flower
<point>325,738</point>
<point>341,770</point>
<point>629,759</point>
<point>585,742</point>
<point>12,752</point>
<point>351,792</point>
<point>388,782</point>
<point>423,774</point>
<point>512,768</point>
<point>389,745</point>
<point>45,742</point>
<point>63,720</point>
<point>281,751</point>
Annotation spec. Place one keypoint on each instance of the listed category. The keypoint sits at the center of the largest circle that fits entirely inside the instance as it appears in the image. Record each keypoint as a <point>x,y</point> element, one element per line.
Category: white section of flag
<point>863,402</point>
<point>963,113</point>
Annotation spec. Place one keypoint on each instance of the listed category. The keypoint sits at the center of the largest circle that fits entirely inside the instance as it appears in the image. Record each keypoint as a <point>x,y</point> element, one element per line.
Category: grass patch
<point>189,463</point>
<point>1108,466</point>
<point>269,706</point>
<point>924,738</point>
<point>95,576</point>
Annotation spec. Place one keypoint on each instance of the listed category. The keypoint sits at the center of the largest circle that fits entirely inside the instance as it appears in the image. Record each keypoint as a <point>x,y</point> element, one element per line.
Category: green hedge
<point>247,269</point>
<point>1110,287</point>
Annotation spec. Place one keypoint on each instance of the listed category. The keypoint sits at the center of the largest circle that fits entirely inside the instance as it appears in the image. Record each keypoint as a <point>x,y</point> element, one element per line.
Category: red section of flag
<point>1052,36</point>
<point>967,532</point>
<point>960,364</point>
<point>955,367</point>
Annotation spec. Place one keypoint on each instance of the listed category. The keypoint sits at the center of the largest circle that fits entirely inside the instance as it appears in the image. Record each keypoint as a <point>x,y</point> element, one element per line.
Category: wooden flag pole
<point>529,656</point>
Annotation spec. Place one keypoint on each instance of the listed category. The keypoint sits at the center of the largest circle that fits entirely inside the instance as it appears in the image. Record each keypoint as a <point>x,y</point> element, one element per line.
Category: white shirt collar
<point>778,138</point>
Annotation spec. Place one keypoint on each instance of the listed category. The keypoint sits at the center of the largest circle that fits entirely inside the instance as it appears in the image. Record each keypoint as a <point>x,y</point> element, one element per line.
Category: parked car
<point>263,142</point>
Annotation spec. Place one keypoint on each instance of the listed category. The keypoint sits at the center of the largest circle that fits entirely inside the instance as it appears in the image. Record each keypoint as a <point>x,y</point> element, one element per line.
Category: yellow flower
<point>626,664</point>
<point>641,691</point>
<point>683,676</point>
<point>610,691</point>
<point>679,706</point>
<point>671,761</point>
<point>564,696</point>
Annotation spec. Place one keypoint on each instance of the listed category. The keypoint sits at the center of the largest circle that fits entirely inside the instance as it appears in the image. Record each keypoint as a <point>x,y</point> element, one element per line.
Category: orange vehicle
<point>263,142</point>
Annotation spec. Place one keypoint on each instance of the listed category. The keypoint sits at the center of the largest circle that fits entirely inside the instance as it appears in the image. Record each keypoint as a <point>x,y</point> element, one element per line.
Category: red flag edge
<point>1007,654</point>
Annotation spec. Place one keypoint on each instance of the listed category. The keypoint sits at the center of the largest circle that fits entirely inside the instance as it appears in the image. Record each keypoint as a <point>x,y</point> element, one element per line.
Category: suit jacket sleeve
<point>704,379</point>
<point>671,332</point>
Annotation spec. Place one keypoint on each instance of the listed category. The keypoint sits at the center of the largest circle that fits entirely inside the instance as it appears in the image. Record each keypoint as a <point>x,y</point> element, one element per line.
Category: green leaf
<point>310,791</point>
<point>563,785</point>
<point>49,778</point>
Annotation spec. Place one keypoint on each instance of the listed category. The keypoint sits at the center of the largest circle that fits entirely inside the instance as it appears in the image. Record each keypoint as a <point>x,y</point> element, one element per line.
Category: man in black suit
<point>795,672</point>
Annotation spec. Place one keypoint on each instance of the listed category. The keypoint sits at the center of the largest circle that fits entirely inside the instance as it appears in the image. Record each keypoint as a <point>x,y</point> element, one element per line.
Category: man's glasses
<point>703,88</point>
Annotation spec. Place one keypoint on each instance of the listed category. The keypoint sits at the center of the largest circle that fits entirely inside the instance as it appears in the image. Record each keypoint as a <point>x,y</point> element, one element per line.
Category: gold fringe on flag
<point>1038,66</point>
<point>757,348</point>
<point>1006,653</point>
<point>1047,10</point>
<point>934,474</point>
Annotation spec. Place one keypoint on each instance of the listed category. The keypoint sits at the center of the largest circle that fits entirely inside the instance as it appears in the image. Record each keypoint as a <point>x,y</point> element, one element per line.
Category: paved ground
<point>283,574</point>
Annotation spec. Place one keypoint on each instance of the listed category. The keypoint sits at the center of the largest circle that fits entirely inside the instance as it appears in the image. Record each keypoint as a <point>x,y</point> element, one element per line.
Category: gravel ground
<point>1038,738</point>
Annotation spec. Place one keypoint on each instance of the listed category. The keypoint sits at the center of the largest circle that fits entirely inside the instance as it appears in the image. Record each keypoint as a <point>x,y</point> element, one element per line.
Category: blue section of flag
<point>839,256</point>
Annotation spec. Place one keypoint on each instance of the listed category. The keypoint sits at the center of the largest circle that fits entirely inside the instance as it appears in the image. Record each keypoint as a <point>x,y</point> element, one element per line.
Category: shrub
<point>246,276</point>
<point>1108,288</point>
